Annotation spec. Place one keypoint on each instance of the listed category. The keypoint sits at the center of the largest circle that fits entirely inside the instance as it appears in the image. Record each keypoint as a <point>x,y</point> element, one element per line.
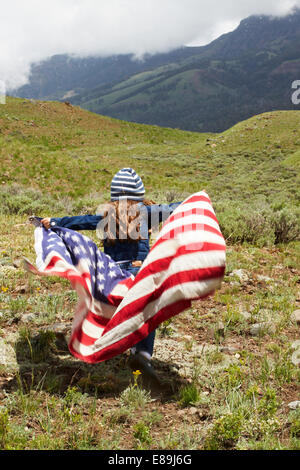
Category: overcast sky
<point>32,30</point>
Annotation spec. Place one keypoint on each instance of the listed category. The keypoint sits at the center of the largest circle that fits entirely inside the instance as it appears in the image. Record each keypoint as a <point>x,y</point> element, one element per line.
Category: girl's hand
<point>46,222</point>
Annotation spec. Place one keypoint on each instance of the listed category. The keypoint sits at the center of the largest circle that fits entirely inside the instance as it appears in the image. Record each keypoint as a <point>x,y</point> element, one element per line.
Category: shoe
<point>149,378</point>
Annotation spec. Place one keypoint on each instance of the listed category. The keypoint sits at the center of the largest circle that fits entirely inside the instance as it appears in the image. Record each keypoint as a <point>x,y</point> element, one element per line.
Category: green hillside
<point>230,362</point>
<point>66,153</point>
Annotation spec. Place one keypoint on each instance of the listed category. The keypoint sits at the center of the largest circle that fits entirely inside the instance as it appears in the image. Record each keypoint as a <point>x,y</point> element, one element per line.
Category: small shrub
<point>165,328</point>
<point>214,357</point>
<point>295,424</point>
<point>174,196</point>
<point>234,377</point>
<point>189,395</point>
<point>119,416</point>
<point>135,397</point>
<point>142,433</point>
<point>17,199</point>
<point>241,223</point>
<point>37,348</point>
<point>259,223</point>
<point>225,432</point>
<point>3,428</point>
<point>284,370</point>
<point>268,404</point>
<point>286,226</point>
<point>17,305</point>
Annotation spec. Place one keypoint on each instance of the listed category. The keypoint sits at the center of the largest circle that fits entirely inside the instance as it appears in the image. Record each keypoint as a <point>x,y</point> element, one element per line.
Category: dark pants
<point>147,344</point>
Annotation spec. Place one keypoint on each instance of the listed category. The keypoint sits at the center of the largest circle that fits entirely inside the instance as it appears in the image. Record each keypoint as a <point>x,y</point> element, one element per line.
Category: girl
<point>125,224</point>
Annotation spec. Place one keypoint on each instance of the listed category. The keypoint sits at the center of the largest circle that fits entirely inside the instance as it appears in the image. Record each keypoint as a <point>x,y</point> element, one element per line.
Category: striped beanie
<point>127,184</point>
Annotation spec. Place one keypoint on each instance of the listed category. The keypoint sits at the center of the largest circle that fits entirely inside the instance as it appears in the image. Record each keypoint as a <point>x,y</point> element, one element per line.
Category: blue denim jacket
<point>152,216</point>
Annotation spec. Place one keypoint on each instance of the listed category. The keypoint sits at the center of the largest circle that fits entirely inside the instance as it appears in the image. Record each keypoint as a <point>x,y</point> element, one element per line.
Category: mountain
<point>63,75</point>
<point>209,89</point>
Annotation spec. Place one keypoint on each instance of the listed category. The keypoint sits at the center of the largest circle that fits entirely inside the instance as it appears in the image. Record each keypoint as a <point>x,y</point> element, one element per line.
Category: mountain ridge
<point>209,88</point>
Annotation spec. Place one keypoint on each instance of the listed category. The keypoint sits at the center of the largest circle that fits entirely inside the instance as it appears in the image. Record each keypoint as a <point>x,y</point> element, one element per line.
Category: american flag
<point>116,310</point>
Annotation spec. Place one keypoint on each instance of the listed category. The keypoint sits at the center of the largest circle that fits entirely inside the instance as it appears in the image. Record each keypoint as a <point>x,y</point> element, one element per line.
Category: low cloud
<point>32,31</point>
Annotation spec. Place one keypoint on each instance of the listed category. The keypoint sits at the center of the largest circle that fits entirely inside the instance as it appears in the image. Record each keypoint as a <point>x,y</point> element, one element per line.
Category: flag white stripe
<point>168,297</point>
<point>38,237</point>
<point>120,290</point>
<point>91,330</point>
<point>181,223</point>
<point>180,264</point>
<point>169,247</point>
<point>189,237</point>
<point>101,308</point>
<point>187,206</point>
<point>192,290</point>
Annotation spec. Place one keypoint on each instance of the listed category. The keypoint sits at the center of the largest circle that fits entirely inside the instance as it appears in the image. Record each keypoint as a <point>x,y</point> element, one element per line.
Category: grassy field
<point>231,360</point>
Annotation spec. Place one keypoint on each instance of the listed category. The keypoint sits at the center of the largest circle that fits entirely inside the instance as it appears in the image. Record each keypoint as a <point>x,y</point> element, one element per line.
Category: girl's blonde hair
<point>122,214</point>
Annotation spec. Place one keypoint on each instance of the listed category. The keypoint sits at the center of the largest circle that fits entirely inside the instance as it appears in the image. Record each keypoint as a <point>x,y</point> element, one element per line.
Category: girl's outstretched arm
<point>158,213</point>
<point>81,222</point>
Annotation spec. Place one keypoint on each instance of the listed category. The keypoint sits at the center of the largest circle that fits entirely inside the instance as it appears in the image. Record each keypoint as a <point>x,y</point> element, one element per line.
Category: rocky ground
<point>245,338</point>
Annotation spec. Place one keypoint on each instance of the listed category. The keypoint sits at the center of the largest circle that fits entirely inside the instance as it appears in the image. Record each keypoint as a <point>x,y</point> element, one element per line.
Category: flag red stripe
<point>83,338</point>
<point>55,259</point>
<point>97,320</point>
<point>186,229</point>
<point>196,198</point>
<point>163,263</point>
<point>173,233</point>
<point>73,277</point>
<point>53,262</point>
<point>122,345</point>
<point>115,300</point>
<point>137,305</point>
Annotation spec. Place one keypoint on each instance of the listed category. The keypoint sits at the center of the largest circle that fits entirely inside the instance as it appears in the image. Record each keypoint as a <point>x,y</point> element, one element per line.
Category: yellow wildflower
<point>136,374</point>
